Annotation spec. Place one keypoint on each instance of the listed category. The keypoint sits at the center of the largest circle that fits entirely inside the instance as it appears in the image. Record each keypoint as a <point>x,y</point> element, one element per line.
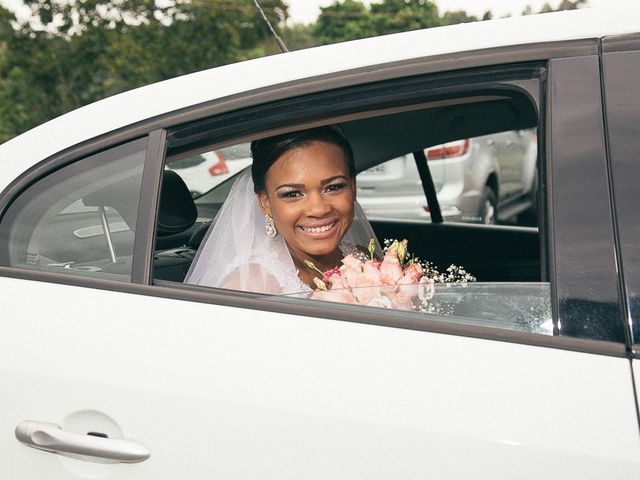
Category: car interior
<point>491,253</point>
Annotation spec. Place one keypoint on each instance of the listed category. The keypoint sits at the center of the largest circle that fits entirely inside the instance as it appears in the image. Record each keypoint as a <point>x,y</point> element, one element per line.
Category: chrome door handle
<point>52,438</point>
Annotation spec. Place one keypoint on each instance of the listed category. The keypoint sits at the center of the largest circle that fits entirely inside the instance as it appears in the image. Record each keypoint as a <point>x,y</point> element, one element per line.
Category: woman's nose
<point>317,205</point>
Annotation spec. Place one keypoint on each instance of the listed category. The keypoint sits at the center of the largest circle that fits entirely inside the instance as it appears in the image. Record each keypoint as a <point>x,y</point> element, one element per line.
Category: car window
<point>488,179</point>
<point>80,219</point>
<point>524,307</point>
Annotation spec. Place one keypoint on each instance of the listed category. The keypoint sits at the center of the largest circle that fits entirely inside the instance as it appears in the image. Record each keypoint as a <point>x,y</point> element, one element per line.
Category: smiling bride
<point>296,205</point>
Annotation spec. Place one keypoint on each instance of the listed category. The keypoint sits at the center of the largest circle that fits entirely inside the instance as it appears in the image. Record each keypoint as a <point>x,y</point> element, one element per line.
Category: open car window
<point>481,150</point>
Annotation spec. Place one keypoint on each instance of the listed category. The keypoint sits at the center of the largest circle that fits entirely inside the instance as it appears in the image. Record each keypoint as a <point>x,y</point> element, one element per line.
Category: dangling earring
<point>269,226</point>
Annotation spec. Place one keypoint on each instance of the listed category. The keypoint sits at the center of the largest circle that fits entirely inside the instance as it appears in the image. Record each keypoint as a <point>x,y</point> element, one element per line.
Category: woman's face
<point>310,195</point>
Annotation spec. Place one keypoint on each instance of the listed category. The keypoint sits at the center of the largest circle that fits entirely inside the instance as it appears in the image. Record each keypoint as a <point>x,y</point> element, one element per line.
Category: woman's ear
<point>263,200</point>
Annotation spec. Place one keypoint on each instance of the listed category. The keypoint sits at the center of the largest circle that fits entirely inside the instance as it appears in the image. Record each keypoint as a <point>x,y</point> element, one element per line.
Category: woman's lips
<point>319,231</point>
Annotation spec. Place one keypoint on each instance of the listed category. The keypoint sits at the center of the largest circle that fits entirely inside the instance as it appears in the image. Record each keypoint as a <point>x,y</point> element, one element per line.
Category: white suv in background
<point>487,179</point>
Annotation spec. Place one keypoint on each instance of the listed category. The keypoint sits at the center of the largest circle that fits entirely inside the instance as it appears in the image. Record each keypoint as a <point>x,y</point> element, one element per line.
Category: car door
<point>214,383</point>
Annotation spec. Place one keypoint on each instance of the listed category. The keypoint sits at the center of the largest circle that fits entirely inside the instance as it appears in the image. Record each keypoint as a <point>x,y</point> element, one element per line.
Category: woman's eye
<point>290,194</point>
<point>334,187</point>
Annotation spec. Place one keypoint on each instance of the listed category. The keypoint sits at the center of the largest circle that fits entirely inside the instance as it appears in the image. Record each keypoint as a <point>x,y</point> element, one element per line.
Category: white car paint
<point>219,392</point>
<point>150,101</point>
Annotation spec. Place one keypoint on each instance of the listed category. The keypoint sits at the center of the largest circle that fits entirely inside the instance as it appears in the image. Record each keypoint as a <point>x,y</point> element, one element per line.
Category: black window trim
<point>574,81</point>
<point>620,46</point>
<point>625,312</point>
<point>620,43</point>
<point>144,243</point>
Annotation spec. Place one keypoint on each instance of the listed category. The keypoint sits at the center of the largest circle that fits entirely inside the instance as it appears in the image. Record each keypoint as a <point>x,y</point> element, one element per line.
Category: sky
<point>306,11</point>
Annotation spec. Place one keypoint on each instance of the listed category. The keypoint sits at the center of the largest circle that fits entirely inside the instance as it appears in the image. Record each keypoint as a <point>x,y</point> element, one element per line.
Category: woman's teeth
<point>319,229</point>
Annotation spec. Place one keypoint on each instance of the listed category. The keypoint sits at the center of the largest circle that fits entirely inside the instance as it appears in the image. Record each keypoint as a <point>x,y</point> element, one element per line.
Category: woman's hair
<point>267,151</point>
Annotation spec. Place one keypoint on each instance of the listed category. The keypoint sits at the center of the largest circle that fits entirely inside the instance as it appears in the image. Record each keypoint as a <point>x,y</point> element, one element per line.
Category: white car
<point>114,368</point>
<point>202,172</point>
<point>486,179</point>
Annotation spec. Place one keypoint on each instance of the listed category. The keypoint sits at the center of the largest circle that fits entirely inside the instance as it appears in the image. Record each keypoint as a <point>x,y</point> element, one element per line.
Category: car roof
<point>118,111</point>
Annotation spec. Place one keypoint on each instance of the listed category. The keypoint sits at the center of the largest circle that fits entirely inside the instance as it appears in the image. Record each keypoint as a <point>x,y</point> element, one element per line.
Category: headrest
<point>177,210</point>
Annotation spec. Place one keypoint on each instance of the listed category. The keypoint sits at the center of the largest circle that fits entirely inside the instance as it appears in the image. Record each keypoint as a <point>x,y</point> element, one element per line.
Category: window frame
<point>619,53</point>
<point>587,296</point>
<point>446,63</point>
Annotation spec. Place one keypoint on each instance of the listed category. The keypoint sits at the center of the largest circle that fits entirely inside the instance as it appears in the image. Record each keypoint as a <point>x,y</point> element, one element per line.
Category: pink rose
<point>413,272</point>
<point>371,271</point>
<point>364,294</point>
<point>402,301</point>
<point>336,280</point>
<point>380,302</point>
<point>390,270</point>
<point>351,261</point>
<point>337,295</point>
<point>410,277</point>
<point>329,273</point>
<point>351,271</point>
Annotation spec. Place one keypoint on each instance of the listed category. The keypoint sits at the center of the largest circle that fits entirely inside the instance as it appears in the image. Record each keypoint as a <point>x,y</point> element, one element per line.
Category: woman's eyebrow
<point>290,185</point>
<point>331,179</point>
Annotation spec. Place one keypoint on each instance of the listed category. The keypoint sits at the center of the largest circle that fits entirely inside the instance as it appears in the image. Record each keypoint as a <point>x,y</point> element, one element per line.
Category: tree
<point>458,16</point>
<point>68,54</point>
<point>571,4</point>
<point>563,5</point>
<point>393,16</point>
<point>341,21</point>
<point>299,36</point>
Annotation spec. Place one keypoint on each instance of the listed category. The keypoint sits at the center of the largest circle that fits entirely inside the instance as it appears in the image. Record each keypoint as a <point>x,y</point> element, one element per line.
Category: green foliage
<point>564,5</point>
<point>73,52</point>
<point>460,16</point>
<point>70,54</point>
<point>393,16</point>
<point>347,20</point>
<point>299,36</point>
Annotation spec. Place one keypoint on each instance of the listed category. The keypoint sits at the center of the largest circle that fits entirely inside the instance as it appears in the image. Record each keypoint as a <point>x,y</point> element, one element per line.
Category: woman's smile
<point>320,230</point>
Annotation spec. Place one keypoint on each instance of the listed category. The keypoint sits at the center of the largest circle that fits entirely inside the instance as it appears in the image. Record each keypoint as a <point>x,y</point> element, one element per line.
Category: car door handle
<point>52,438</point>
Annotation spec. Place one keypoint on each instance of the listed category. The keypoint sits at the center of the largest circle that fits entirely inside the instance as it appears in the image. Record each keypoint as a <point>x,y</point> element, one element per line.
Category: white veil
<point>237,254</point>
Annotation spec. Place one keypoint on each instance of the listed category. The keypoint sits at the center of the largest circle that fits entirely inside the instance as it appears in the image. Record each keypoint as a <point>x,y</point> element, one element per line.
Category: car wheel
<point>488,207</point>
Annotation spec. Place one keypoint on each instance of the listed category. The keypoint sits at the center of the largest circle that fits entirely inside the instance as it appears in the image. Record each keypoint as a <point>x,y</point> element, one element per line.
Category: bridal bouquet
<point>396,281</point>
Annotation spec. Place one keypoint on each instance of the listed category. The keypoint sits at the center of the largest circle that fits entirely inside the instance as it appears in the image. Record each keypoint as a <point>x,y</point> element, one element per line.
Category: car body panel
<point>225,392</point>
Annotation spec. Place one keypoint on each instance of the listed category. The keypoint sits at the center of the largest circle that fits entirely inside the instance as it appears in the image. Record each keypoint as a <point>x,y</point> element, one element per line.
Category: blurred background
<point>57,55</point>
